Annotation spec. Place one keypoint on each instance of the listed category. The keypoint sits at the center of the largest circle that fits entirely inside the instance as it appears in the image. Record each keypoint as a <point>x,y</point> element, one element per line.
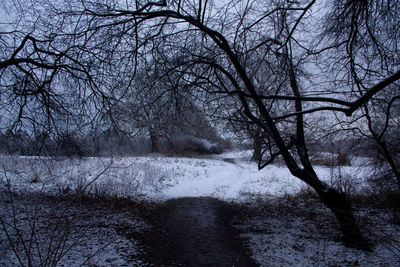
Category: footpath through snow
<point>193,232</point>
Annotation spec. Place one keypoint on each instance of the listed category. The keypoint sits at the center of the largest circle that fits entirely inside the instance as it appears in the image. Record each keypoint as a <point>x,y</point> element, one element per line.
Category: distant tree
<point>162,108</point>
<point>43,144</point>
<point>69,145</point>
<point>15,143</point>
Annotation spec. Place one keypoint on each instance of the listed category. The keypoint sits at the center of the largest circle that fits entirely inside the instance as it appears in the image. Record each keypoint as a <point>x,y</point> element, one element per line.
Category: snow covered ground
<point>36,230</point>
<point>289,232</point>
<point>230,176</point>
<point>274,238</point>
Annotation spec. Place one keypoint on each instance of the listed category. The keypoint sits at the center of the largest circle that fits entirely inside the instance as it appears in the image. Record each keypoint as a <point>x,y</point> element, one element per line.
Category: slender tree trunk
<point>384,148</point>
<point>154,138</point>
<point>258,137</point>
<point>390,160</point>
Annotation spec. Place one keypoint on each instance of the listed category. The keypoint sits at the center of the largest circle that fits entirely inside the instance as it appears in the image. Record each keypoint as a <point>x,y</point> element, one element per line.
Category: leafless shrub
<point>33,239</point>
<point>344,182</point>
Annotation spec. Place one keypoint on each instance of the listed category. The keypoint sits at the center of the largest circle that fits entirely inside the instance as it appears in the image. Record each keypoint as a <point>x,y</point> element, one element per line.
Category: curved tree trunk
<point>341,207</point>
<point>338,203</point>
<point>334,200</point>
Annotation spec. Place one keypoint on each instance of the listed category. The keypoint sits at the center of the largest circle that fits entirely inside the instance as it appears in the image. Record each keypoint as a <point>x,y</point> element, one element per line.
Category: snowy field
<point>274,233</point>
<point>229,176</point>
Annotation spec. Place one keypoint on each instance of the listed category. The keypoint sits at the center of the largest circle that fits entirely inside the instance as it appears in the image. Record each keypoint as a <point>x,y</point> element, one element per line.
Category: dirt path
<point>193,232</point>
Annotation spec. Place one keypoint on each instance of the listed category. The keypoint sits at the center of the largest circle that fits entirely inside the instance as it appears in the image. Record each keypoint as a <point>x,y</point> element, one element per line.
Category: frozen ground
<point>276,228</point>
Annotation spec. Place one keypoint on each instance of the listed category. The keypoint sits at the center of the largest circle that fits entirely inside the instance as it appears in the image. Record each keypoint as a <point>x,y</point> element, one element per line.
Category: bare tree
<point>220,51</point>
<point>161,107</point>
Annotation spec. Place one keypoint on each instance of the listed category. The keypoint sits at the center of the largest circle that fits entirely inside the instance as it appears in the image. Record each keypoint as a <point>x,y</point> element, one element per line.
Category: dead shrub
<point>332,160</point>
<point>343,159</point>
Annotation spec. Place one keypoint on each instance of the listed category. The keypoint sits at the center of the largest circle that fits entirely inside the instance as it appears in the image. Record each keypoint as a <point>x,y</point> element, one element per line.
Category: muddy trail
<point>193,232</point>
